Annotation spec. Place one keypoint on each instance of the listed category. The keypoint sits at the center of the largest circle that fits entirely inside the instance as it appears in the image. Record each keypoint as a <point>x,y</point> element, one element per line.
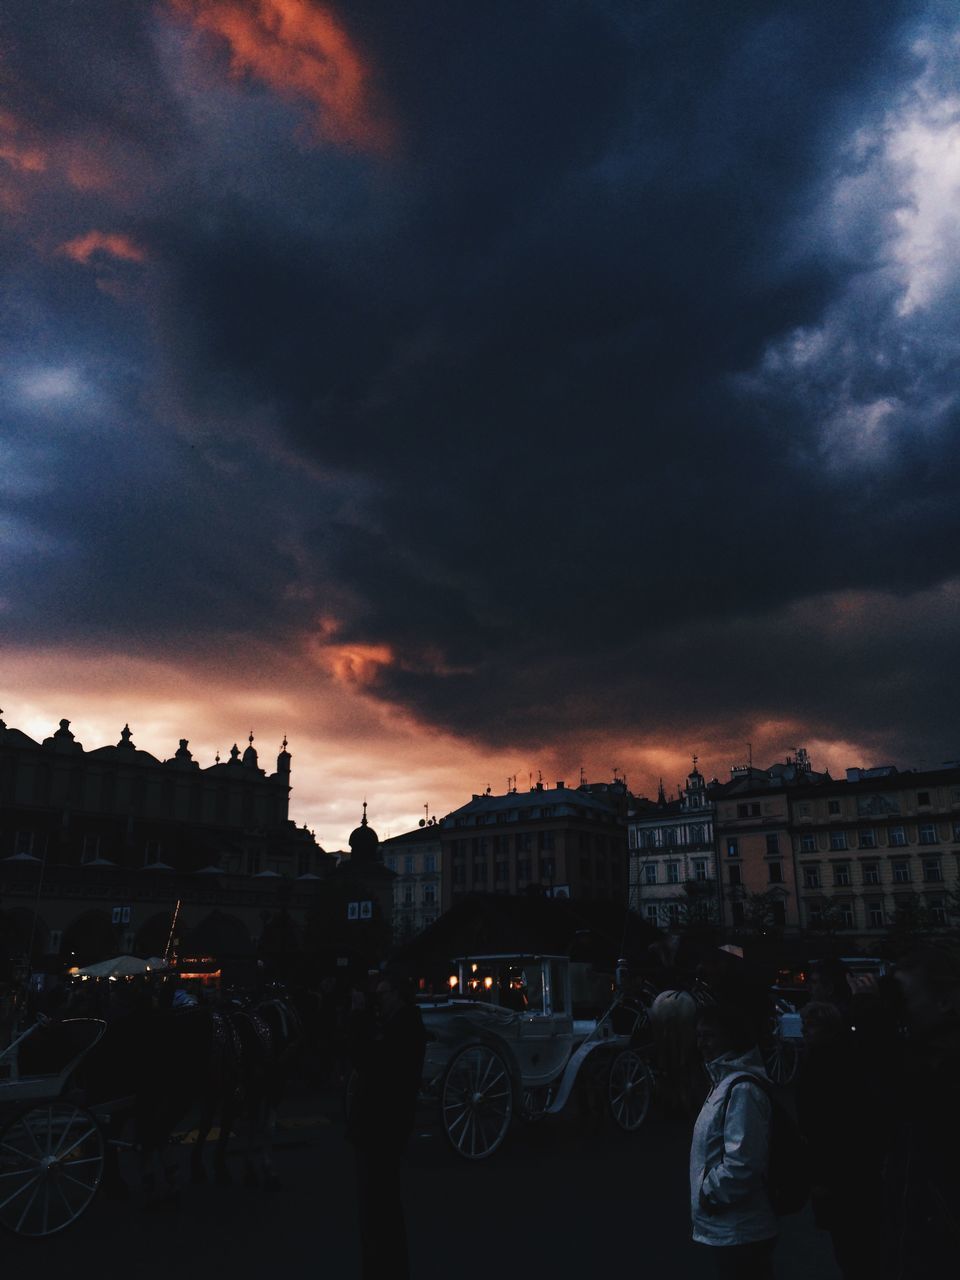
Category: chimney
<point>561,785</point>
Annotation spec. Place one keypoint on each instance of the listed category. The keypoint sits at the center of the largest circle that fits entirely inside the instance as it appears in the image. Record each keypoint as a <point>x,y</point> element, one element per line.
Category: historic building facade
<point>561,841</point>
<point>878,849</point>
<point>417,858</point>
<point>97,847</point>
<point>673,874</point>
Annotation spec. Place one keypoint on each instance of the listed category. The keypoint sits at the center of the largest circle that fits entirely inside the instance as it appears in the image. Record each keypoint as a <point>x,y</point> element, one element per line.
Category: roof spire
<point>363,820</point>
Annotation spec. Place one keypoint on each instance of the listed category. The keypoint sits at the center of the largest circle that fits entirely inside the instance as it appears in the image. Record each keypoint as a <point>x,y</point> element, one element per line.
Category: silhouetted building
<point>96,848</point>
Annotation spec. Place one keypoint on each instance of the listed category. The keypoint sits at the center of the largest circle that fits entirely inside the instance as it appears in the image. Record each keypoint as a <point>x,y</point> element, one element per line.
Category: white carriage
<point>51,1144</point>
<point>505,1045</point>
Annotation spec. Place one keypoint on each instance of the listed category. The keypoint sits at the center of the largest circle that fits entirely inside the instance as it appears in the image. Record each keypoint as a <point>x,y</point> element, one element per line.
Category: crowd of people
<point>876,1104</point>
<point>877,1107</point>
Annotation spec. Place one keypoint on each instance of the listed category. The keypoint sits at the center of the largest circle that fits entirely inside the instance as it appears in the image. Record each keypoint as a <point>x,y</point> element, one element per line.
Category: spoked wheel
<point>476,1101</point>
<point>781,1058</point>
<point>629,1090</point>
<point>51,1163</point>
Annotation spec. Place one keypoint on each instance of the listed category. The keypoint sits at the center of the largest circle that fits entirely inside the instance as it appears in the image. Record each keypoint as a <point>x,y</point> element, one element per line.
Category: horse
<point>264,1033</point>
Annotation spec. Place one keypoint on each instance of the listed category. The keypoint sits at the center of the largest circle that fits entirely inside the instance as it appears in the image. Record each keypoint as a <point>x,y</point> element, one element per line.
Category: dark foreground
<point>561,1199</point>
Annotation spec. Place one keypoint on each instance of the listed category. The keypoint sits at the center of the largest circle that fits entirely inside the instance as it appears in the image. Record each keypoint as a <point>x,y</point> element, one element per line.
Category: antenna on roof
<point>750,754</point>
<point>583,776</point>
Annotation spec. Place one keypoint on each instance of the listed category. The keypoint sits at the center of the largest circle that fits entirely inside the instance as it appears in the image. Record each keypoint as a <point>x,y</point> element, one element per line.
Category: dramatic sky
<point>466,389</point>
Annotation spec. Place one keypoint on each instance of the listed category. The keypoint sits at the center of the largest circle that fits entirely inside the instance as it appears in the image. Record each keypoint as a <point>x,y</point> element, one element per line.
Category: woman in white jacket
<point>729,1154</point>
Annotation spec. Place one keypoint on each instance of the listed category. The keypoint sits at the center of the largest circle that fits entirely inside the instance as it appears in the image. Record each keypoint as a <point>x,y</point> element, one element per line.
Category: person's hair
<point>729,1022</point>
<point>937,964</point>
<point>818,1013</point>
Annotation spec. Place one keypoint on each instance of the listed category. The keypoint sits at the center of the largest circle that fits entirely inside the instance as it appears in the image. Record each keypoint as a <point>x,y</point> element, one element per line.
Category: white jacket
<point>728,1167</point>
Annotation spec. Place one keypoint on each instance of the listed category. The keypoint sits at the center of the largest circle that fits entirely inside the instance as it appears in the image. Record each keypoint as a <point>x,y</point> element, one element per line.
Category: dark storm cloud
<point>547,343</point>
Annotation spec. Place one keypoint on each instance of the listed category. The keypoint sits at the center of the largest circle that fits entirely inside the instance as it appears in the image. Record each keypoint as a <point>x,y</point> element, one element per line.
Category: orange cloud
<point>301,52</point>
<point>357,664</point>
<point>82,248</point>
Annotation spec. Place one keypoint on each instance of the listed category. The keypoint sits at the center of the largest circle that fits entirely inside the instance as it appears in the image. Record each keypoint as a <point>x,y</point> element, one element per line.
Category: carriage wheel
<point>476,1101</point>
<point>781,1058</point>
<point>629,1090</point>
<point>51,1163</point>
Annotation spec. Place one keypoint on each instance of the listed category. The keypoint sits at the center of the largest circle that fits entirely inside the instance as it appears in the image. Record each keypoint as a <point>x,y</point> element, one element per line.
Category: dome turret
<point>364,841</point>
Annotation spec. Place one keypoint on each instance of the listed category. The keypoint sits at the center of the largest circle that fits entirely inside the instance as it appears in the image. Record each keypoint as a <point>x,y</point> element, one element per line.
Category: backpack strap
<point>744,1078</point>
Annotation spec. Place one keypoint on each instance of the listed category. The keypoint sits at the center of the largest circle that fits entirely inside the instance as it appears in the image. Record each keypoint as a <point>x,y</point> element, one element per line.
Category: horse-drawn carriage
<point>52,1143</point>
<point>505,1045</point>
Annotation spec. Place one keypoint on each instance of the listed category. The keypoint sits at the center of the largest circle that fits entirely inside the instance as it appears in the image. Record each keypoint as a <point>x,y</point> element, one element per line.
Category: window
<point>748,811</point>
<point>733,874</point>
<point>956,831</point>
<point>673,873</point>
<point>871,872</point>
<point>938,910</point>
<point>901,873</point>
<point>733,847</point>
<point>524,842</point>
<point>501,871</point>
<point>841,874</point>
<point>699,869</point>
<point>390,863</point>
<point>650,873</point>
<point>808,843</point>
<point>845,914</point>
<point>923,797</point>
<point>811,877</point>
<point>932,871</point>
<point>429,894</point>
<point>408,864</point>
<point>815,914</point>
<point>696,835</point>
<point>23,842</point>
<point>875,914</point>
<point>151,855</point>
<point>897,837</point>
<point>673,912</point>
<point>479,870</point>
<point>547,841</point>
<point>775,872</point>
<point>927,833</point>
<point>670,837</point>
<point>548,868</point>
<point>523,869</point>
<point>652,912</point>
<point>868,839</point>
<point>833,806</point>
<point>91,849</point>
<point>408,895</point>
<point>430,862</point>
<point>773,844</point>
<point>803,809</point>
<point>838,839</point>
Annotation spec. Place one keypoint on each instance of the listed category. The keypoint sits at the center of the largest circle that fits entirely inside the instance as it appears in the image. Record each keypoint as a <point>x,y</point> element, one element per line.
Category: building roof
<point>561,801</point>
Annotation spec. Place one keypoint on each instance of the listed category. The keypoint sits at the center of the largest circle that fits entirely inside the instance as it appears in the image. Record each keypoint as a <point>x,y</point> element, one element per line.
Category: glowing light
<point>452,981</point>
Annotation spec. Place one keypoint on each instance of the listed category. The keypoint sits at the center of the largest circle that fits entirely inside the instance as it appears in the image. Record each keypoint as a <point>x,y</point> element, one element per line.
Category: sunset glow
<point>464,401</point>
<point>302,52</point>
